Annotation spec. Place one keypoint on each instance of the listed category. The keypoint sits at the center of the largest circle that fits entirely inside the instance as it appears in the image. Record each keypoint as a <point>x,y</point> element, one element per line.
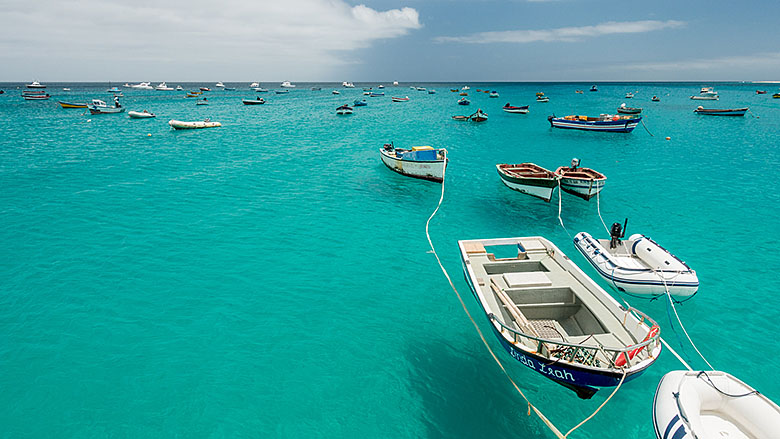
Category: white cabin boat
<point>553,319</point>
<point>35,84</point>
<point>638,265</point>
<point>163,87</point>
<point>712,404</point>
<point>254,85</point>
<point>219,84</point>
<point>287,84</point>
<point>423,162</point>
<point>143,86</point>
<point>347,84</point>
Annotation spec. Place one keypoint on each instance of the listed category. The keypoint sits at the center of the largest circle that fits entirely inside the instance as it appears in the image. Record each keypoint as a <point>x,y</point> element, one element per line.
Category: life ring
<point>621,359</point>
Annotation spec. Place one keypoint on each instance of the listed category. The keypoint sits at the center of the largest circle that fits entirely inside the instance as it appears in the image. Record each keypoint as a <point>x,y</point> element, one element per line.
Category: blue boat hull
<point>585,382</point>
<point>609,126</point>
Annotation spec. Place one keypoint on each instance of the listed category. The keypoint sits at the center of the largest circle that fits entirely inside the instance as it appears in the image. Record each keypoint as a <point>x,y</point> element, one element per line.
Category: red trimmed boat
<point>604,122</point>
<point>403,99</point>
<point>581,182</point>
<point>513,109</point>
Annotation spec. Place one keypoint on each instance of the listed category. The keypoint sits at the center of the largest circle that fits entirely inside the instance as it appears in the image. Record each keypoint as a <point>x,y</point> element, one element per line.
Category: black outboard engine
<point>616,232</point>
<point>389,146</point>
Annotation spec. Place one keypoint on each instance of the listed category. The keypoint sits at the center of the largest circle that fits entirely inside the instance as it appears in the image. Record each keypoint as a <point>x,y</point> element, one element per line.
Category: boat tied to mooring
<point>555,320</point>
<point>720,112</point>
<point>528,178</point>
<point>637,266</point>
<point>523,109</point>
<point>186,125</point>
<point>604,122</point>
<point>584,183</point>
<point>423,162</point>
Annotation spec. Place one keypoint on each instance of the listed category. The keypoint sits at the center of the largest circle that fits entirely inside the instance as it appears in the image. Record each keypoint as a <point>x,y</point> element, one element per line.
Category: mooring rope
<point>538,412</point>
<point>671,302</point>
<point>648,131</point>
<point>598,209</point>
<point>560,208</point>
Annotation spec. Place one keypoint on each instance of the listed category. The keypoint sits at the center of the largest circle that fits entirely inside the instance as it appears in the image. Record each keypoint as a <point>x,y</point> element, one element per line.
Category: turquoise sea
<point>271,278</point>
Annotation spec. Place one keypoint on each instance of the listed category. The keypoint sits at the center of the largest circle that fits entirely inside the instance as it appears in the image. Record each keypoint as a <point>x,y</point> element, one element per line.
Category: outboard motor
<point>616,232</point>
<point>389,146</point>
<point>574,163</point>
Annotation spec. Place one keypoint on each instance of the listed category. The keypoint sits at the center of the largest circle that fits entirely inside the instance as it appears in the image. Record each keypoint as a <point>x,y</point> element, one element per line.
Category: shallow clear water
<point>272,278</point>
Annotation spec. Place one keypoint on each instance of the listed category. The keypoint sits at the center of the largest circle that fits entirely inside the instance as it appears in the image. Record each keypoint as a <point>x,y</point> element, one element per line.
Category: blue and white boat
<point>423,162</point>
<point>594,88</point>
<point>555,320</point>
<point>637,266</point>
<point>605,122</point>
<point>375,94</point>
<point>359,103</point>
<point>721,112</point>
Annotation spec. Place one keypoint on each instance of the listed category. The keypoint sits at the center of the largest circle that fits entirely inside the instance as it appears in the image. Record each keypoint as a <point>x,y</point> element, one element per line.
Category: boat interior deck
<point>582,173</point>
<point>527,170</point>
<point>535,295</point>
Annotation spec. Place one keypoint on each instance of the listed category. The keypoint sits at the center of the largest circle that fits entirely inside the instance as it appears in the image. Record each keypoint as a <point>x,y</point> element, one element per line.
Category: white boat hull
<point>630,273</point>
<point>583,189</point>
<point>139,115</point>
<point>691,405</point>
<point>183,125</point>
<point>427,170</point>
<point>545,193</point>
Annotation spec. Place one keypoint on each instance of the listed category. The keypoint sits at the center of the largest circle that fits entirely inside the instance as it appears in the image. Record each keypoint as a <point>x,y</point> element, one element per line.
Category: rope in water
<point>671,302</point>
<point>648,131</point>
<point>538,412</point>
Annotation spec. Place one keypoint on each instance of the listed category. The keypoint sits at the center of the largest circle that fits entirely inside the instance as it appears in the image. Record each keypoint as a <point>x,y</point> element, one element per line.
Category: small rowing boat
<point>581,182</point>
<point>629,95</point>
<point>711,404</point>
<point>344,109</point>
<point>721,112</point>
<point>637,266</point>
<point>431,92</point>
<point>463,94</point>
<point>423,162</point>
<point>542,99</point>
<point>377,94</point>
<point>594,88</point>
<point>202,102</point>
<point>183,125</point>
<point>460,118</point>
<point>513,109</point>
<point>760,92</point>
<point>705,98</point>
<point>397,99</point>
<point>140,114</point>
<point>335,92</point>
<point>604,122</point>
<point>479,116</point>
<point>36,97</point>
<point>655,99</point>
<point>628,110</point>
<point>776,96</point>
<point>258,101</point>
<point>359,103</point>
<point>555,320</point>
<point>72,104</point>
<point>493,94</point>
<point>528,178</point>
<point>99,107</point>
<point>463,101</point>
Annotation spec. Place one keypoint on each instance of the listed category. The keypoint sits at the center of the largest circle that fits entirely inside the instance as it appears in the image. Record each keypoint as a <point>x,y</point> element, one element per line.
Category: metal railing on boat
<point>573,351</point>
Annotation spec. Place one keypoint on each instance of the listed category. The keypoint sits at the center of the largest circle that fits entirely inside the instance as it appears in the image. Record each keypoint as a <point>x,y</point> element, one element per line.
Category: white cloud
<point>275,39</point>
<point>565,34</point>
<point>740,62</point>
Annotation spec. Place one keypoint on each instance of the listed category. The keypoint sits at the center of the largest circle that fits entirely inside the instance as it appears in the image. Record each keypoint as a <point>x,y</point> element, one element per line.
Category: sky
<point>379,40</point>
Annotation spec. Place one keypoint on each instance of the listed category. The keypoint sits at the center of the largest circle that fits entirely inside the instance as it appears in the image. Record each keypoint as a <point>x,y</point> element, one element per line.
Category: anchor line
<point>648,131</point>
<point>531,407</point>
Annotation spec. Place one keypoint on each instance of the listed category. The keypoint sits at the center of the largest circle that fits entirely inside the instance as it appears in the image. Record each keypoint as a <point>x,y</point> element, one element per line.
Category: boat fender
<point>621,359</point>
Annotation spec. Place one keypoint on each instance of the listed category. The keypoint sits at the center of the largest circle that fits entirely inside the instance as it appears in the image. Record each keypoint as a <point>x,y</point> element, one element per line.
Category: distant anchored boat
<point>399,99</point>
<point>183,125</point>
<point>72,104</point>
<point>604,122</point>
<point>140,114</point>
<point>257,101</point>
<point>628,110</point>
<point>721,112</point>
<point>423,162</point>
<point>513,109</point>
<point>344,109</point>
<point>555,320</point>
<point>99,107</point>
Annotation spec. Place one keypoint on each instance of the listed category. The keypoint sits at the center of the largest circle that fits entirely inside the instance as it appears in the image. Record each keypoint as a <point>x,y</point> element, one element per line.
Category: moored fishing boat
<point>431,92</point>
<point>203,101</point>
<point>478,116</point>
<point>776,96</point>
<point>184,125</point>
<point>638,265</point>
<point>36,97</point>
<point>523,109</point>
<point>143,86</point>
<point>205,89</point>
<point>552,318</point>
<point>114,89</point>
<point>760,92</point>
<point>628,110</point>
<point>72,104</point>
<point>705,98</point>
<point>463,101</point>
<point>344,109</point>
<point>463,94</point>
<point>100,107</point>
<point>347,84</point>
<point>423,162</point>
<point>594,88</point>
<point>254,85</point>
<point>140,114</point>
<point>335,92</point>
<point>219,84</point>
<point>35,84</point>
<point>493,94</point>
<point>163,87</point>
<point>179,88</point>
<point>629,95</point>
<point>375,94</point>
<point>542,99</point>
<point>399,99</point>
<point>359,103</point>
<point>605,122</point>
<point>721,112</point>
<point>281,92</point>
<point>711,404</point>
<point>264,90</point>
<point>581,182</point>
<point>655,99</point>
<point>287,84</point>
<point>421,89</point>
<point>257,101</point>
<point>528,178</point>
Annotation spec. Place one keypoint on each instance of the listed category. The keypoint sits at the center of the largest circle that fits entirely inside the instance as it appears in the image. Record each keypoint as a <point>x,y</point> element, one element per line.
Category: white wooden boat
<point>399,99</point>
<point>335,92</point>
<point>140,114</point>
<point>553,319</point>
<point>528,178</point>
<point>36,97</point>
<point>99,107</point>
<point>721,112</point>
<point>523,109</point>
<point>420,162</point>
<point>712,405</point>
<point>638,265</point>
<point>581,182</point>
<point>542,99</point>
<point>705,98</point>
<point>344,110</point>
<point>184,125</point>
<point>260,90</point>
<point>202,102</point>
<point>258,101</point>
